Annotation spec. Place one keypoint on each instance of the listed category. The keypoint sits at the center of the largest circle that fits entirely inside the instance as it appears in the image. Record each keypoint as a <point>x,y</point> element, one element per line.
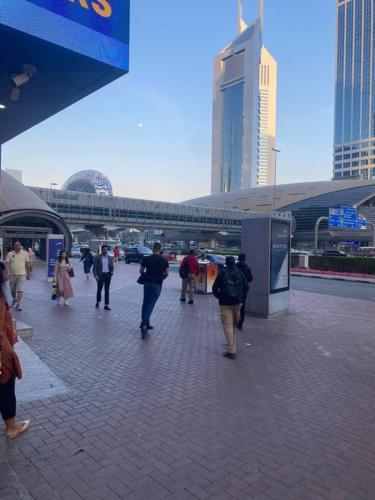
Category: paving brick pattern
<point>169,418</point>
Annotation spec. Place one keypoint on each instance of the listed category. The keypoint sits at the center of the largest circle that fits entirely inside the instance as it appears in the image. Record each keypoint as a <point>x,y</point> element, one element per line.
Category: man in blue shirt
<point>103,270</point>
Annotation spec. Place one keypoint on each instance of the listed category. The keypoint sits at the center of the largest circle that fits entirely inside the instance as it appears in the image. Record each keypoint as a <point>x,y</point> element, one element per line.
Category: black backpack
<point>233,285</point>
<point>184,271</point>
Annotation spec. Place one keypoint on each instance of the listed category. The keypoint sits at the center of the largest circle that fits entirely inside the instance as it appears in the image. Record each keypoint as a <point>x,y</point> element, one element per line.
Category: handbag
<point>142,279</point>
<point>54,292</point>
<point>71,273</point>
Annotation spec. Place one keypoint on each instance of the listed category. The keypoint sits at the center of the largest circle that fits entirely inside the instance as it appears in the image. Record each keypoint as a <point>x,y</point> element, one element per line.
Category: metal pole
<point>275,177</point>
<point>317,223</point>
<point>373,232</point>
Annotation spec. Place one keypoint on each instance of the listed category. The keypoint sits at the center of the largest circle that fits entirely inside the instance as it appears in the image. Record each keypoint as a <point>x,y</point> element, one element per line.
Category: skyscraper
<point>244,111</point>
<point>354,137</point>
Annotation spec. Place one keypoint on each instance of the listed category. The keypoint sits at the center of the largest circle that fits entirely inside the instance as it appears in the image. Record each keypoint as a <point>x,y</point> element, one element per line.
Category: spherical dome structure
<point>89,181</point>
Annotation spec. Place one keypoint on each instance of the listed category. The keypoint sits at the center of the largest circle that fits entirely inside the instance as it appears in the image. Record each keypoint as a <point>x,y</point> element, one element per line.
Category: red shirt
<point>116,252</point>
<point>193,264</point>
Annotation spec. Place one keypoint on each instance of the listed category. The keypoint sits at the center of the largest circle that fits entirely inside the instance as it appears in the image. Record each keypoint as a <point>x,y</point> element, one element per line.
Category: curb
<point>334,278</point>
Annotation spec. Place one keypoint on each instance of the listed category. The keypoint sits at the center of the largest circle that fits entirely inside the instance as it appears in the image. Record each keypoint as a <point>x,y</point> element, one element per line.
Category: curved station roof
<point>260,199</point>
<point>18,203</point>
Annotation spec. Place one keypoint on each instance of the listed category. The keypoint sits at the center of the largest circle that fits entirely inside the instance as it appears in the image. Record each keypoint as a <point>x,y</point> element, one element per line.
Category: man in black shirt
<point>246,271</point>
<point>154,270</point>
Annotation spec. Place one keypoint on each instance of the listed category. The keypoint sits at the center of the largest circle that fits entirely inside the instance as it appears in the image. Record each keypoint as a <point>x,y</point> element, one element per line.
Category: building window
<point>364,173</point>
<point>346,157</point>
<point>347,148</point>
<point>355,164</point>
<point>364,153</point>
<point>355,173</point>
<point>346,173</point>
<point>364,162</point>
<point>338,175</point>
<point>338,166</point>
<point>355,155</point>
<point>338,157</point>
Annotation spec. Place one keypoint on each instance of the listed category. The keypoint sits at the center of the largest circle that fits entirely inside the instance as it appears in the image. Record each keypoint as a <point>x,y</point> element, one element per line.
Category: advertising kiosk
<point>266,242</point>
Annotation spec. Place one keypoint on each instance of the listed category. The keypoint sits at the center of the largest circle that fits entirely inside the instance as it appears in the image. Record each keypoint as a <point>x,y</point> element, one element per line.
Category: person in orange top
<point>10,368</point>
<point>189,271</point>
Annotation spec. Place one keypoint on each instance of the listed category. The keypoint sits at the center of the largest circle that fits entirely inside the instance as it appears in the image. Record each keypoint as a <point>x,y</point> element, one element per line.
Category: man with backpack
<point>230,288</point>
<point>189,271</point>
<point>246,271</point>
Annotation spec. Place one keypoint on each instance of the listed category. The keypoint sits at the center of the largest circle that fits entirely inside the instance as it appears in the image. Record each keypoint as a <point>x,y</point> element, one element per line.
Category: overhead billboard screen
<point>95,28</point>
<point>346,218</point>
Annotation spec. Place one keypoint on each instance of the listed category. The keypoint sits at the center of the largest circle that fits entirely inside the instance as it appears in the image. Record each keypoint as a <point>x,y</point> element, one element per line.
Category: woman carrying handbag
<point>63,273</point>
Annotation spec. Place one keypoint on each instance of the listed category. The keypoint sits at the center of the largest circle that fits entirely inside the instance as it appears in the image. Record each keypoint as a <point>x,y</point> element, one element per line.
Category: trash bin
<point>206,278</point>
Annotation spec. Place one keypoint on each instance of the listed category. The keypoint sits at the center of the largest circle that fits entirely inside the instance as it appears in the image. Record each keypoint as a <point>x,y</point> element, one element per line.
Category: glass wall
<point>232,139</point>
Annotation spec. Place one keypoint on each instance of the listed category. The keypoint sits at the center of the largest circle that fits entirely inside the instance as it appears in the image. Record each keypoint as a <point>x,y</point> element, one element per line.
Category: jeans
<point>103,280</point>
<point>151,293</point>
<point>8,400</point>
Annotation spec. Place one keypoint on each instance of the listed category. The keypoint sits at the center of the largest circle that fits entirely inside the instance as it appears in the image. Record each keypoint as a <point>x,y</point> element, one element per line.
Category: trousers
<point>229,316</point>
<point>103,280</point>
<point>188,285</point>
<point>242,312</point>
<point>8,399</point>
<point>151,293</point>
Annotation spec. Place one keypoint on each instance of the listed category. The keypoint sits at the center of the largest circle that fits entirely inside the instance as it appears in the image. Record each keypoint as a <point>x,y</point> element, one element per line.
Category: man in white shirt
<point>103,270</point>
<point>17,268</point>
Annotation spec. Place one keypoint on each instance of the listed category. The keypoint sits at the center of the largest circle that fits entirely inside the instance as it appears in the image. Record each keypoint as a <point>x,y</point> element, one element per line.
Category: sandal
<point>23,427</point>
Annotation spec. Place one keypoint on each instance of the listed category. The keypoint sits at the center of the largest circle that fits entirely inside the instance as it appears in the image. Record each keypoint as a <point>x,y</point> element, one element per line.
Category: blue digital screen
<point>346,218</point>
<point>96,28</point>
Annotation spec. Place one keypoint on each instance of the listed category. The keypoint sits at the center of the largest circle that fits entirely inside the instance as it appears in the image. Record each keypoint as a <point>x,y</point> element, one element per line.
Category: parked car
<point>136,254</point>
<point>214,259</point>
<point>75,251</point>
<point>333,253</point>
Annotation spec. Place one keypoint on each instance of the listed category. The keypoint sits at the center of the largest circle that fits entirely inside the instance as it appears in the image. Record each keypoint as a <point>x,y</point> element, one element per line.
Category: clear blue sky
<point>169,92</point>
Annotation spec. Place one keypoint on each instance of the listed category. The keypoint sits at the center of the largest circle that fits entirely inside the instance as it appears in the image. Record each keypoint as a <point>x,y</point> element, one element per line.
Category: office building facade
<point>354,135</point>
<point>244,111</point>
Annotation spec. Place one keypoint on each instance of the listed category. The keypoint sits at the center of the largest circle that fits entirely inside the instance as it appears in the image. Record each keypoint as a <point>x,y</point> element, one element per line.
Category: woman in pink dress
<point>62,278</point>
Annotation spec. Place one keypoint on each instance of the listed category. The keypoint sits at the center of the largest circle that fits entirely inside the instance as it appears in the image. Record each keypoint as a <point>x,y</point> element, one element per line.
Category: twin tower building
<point>244,111</point>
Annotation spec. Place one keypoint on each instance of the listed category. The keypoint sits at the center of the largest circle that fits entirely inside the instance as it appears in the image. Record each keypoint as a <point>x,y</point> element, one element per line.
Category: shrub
<point>363,265</point>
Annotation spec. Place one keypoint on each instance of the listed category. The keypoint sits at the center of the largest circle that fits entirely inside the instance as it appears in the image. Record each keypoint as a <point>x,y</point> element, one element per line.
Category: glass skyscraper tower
<point>354,140</point>
<point>244,111</point>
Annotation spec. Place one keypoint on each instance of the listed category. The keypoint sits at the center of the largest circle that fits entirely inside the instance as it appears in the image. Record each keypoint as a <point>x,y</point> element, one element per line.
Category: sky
<point>150,131</point>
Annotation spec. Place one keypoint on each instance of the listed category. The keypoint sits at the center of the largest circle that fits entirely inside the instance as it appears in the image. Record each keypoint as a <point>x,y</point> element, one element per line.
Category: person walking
<point>229,288</point>
<point>88,261</point>
<point>246,271</point>
<point>63,271</point>
<point>17,265</point>
<point>10,369</point>
<point>154,270</point>
<point>189,271</point>
<point>116,254</point>
<point>103,271</point>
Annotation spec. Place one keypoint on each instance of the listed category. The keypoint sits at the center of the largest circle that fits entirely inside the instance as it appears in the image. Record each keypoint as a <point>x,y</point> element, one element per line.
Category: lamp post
<point>274,181</point>
<point>51,186</point>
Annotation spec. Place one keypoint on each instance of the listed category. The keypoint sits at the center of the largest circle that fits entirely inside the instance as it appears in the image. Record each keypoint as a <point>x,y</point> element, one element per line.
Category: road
<point>347,289</point>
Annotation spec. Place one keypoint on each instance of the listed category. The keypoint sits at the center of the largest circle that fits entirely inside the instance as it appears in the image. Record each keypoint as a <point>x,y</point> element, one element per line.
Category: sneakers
<point>66,303</point>
<point>229,355</point>
<point>18,308</point>
<point>13,304</point>
<point>182,299</point>
<point>107,308</point>
<point>191,302</point>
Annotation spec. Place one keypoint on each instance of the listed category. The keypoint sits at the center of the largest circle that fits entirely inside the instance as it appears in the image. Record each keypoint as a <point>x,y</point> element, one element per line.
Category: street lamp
<point>52,184</point>
<point>274,181</point>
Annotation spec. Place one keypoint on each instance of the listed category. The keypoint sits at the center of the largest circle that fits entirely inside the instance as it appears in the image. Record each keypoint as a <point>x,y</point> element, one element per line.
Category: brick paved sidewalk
<point>170,418</point>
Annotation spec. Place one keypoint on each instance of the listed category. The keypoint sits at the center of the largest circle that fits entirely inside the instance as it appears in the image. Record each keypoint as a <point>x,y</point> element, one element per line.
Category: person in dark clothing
<point>103,270</point>
<point>88,261</point>
<point>229,288</point>
<point>189,272</point>
<point>246,271</point>
<point>153,270</point>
